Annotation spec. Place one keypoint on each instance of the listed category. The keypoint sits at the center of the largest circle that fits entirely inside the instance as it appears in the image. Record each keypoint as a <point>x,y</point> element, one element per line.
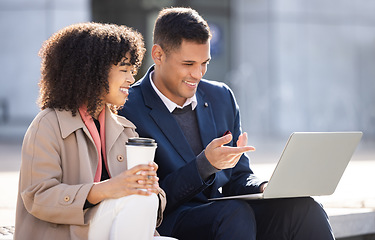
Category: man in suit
<point>196,124</point>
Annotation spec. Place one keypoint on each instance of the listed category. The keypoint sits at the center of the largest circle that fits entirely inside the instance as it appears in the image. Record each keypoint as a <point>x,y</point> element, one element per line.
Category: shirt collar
<point>168,103</point>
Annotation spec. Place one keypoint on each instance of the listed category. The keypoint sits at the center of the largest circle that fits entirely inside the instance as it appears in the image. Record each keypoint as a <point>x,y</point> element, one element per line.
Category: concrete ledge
<point>346,222</point>
<point>6,233</point>
<point>350,222</point>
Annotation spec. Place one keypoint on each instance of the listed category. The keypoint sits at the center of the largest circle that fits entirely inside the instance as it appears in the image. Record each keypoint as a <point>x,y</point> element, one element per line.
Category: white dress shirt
<point>168,103</point>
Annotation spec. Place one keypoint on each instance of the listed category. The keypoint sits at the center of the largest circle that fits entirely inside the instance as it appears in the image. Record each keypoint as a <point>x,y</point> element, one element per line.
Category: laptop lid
<point>311,164</point>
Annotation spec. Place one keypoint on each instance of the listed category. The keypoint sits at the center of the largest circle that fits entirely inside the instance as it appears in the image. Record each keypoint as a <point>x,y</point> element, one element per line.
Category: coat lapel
<point>114,127</point>
<point>165,121</point>
<point>206,122</point>
<point>69,124</point>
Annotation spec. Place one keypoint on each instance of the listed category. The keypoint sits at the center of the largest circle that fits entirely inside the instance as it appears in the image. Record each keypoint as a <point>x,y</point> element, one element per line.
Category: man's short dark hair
<point>176,24</point>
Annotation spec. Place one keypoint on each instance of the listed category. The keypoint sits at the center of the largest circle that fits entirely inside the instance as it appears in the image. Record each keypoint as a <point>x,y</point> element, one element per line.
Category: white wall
<point>304,65</point>
<point>24,25</point>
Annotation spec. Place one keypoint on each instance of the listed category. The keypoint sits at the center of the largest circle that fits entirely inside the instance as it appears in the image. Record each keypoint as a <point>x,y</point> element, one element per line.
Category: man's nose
<point>198,72</point>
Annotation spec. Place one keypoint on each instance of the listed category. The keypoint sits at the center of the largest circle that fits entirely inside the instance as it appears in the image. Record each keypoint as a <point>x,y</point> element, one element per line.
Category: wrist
<point>96,194</point>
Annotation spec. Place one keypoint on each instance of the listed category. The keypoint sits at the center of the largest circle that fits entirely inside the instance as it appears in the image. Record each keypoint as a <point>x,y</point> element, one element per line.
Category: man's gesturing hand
<point>223,157</point>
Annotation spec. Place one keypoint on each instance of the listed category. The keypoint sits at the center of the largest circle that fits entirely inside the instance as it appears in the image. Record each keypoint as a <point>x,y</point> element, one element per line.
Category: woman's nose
<point>131,79</point>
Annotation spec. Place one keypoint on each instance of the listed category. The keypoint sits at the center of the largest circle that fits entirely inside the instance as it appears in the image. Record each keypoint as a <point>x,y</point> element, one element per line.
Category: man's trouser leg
<point>218,220</point>
<point>291,218</point>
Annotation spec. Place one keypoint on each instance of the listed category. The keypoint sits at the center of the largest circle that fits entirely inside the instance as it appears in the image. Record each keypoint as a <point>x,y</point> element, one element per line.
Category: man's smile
<point>193,84</point>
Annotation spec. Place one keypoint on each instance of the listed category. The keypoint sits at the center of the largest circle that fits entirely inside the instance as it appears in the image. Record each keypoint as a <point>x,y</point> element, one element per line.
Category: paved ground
<point>355,190</point>
<point>10,159</point>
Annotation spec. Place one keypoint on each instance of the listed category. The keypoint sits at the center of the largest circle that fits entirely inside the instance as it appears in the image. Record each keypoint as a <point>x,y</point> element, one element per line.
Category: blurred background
<point>293,65</point>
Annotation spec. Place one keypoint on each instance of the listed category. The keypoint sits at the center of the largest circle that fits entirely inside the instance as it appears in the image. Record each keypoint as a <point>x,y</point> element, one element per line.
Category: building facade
<point>293,65</point>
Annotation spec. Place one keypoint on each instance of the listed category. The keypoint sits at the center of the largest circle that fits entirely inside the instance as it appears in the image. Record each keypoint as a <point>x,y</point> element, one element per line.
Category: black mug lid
<point>136,141</point>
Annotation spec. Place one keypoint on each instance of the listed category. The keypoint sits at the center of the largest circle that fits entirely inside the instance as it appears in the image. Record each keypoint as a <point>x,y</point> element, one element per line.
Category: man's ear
<point>157,54</point>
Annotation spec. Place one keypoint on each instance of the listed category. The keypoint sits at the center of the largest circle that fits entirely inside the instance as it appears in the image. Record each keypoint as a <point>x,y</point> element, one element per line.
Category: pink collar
<point>99,140</point>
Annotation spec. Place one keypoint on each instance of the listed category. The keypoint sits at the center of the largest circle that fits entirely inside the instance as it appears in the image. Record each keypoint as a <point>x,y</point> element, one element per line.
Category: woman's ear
<point>157,54</point>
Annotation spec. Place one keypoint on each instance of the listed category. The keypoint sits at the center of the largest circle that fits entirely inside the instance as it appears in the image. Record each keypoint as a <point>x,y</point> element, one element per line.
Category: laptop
<point>311,164</point>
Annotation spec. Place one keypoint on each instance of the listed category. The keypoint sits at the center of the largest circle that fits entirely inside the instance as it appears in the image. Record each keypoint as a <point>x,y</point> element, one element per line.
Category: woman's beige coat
<point>59,160</point>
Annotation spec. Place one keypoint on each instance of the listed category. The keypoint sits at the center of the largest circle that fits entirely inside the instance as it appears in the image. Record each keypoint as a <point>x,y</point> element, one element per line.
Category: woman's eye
<point>132,72</point>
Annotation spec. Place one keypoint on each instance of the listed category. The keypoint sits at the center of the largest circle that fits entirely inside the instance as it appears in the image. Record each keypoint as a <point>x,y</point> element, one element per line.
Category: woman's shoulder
<point>45,119</point>
<point>54,118</point>
<point>45,115</point>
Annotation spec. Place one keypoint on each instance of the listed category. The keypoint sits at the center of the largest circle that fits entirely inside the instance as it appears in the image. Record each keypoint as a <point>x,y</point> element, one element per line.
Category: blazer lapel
<point>207,126</point>
<point>165,121</point>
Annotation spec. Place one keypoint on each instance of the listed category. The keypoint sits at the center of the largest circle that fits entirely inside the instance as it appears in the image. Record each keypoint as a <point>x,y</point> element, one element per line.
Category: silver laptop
<point>311,164</point>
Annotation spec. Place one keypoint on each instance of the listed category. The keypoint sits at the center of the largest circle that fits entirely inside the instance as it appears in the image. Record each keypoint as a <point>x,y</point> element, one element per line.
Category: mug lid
<point>138,141</point>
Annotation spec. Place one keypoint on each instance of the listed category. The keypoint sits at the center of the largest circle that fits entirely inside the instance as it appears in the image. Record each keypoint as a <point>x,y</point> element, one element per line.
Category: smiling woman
<point>76,62</point>
<point>74,179</point>
<point>120,77</point>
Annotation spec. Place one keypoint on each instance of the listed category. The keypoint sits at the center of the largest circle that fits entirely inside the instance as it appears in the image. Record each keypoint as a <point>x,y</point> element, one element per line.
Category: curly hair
<point>76,61</point>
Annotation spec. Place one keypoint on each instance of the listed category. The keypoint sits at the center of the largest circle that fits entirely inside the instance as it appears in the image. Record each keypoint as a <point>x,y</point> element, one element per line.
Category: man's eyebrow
<point>191,61</point>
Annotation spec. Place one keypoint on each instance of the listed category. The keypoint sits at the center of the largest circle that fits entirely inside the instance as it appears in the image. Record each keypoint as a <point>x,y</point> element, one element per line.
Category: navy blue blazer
<point>217,112</point>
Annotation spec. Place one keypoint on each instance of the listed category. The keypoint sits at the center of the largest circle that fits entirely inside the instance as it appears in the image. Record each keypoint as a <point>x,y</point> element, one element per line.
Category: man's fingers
<point>242,140</point>
<point>218,142</point>
<point>222,156</point>
<point>237,150</point>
